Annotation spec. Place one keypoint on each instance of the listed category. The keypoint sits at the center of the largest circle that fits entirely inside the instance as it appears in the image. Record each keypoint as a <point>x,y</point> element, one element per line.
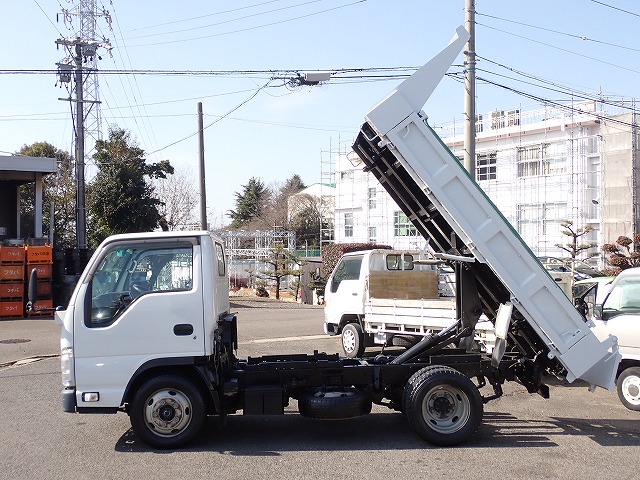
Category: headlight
<point>66,363</point>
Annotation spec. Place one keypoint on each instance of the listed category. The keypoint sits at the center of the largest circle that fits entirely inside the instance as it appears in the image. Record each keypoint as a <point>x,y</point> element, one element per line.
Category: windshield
<point>125,274</point>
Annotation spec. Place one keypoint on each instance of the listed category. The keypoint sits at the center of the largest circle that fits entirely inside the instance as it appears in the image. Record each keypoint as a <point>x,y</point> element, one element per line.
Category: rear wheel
<point>628,387</point>
<point>353,340</point>
<point>167,411</point>
<point>442,405</point>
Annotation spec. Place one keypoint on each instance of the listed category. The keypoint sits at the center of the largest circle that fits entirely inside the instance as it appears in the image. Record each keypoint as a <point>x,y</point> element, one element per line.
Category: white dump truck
<point>390,298</point>
<point>148,330</point>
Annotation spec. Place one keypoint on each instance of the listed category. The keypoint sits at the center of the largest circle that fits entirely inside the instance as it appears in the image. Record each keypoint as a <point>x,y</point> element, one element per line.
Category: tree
<point>308,216</point>
<point>280,264</point>
<point>574,248</point>
<point>58,188</point>
<point>623,254</point>
<point>250,204</point>
<point>120,198</point>
<point>179,200</point>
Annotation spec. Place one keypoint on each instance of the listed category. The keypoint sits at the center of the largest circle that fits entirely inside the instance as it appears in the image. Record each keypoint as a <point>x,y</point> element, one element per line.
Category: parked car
<point>582,270</point>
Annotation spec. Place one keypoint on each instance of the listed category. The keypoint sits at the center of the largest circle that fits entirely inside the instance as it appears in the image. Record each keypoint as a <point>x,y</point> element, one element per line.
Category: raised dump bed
<point>446,205</point>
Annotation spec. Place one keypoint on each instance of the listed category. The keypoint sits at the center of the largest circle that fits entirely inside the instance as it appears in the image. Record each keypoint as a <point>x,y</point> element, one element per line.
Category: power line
<point>560,48</point>
<point>224,22</point>
<point>616,8</point>
<point>251,28</point>
<point>566,34</point>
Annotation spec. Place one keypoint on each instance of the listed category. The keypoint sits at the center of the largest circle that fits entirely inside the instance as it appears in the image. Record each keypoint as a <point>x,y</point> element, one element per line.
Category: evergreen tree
<point>249,204</point>
<point>121,199</point>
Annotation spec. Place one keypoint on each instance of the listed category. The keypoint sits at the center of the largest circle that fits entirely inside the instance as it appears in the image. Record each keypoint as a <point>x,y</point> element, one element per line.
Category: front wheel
<point>167,411</point>
<point>353,340</point>
<point>442,405</point>
<point>628,387</point>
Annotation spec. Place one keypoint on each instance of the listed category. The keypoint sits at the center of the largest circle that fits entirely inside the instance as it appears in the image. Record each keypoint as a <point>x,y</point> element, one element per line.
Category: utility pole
<point>470,90</point>
<point>77,46</point>
<point>203,191</point>
<point>81,60</point>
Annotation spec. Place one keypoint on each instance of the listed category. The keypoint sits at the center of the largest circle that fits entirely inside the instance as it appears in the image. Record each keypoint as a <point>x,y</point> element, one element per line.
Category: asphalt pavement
<point>22,340</point>
<point>25,339</point>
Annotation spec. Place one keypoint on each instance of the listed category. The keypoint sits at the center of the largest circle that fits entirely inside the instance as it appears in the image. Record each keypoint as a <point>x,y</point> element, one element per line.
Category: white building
<point>539,167</point>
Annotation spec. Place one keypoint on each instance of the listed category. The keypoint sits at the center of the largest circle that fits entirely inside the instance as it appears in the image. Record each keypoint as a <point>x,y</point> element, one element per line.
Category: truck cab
<point>613,305</point>
<point>168,288</point>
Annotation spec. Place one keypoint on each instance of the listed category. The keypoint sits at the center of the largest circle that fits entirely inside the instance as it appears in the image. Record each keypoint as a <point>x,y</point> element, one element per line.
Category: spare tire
<point>335,405</point>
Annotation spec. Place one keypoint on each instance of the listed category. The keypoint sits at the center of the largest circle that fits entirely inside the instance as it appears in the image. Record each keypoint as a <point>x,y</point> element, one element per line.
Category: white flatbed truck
<point>385,297</point>
<point>148,330</point>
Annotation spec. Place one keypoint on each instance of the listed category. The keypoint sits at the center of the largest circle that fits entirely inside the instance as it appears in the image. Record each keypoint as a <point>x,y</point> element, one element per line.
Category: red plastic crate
<point>45,270</point>
<point>44,289</point>
<point>42,254</point>
<point>11,255</point>
<point>42,308</point>
<point>12,309</point>
<point>11,273</point>
<point>12,290</point>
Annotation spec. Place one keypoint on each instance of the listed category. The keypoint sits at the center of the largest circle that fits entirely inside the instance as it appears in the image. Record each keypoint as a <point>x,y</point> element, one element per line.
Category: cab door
<point>344,292</point>
<point>142,303</point>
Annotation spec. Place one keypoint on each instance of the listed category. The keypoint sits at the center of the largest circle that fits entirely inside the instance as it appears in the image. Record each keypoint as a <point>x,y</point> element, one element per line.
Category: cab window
<point>347,269</point>
<point>125,274</point>
<point>400,261</point>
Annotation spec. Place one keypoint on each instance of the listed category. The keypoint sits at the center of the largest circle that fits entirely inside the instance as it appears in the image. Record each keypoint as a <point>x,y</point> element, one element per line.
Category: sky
<point>236,57</point>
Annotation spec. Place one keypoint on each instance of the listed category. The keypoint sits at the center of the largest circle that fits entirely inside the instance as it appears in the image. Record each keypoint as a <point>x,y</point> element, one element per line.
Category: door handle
<point>354,294</point>
<point>183,329</point>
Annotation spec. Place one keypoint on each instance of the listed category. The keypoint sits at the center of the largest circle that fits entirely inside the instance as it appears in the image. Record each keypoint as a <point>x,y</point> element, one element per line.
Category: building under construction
<point>539,167</point>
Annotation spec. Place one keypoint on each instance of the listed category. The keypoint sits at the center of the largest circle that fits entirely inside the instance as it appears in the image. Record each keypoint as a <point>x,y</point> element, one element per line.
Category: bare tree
<point>179,198</point>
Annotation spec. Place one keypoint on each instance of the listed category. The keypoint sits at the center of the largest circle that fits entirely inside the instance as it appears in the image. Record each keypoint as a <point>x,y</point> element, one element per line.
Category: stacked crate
<point>40,258</point>
<point>12,282</point>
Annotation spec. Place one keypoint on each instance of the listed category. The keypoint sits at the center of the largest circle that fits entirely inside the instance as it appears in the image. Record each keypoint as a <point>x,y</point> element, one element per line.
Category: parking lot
<point>574,434</point>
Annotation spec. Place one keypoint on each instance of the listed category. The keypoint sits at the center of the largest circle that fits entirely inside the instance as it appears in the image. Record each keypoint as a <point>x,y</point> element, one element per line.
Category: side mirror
<point>597,311</point>
<point>32,289</point>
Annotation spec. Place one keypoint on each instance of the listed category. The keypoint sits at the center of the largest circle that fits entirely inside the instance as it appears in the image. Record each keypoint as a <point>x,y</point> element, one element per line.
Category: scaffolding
<point>246,249</point>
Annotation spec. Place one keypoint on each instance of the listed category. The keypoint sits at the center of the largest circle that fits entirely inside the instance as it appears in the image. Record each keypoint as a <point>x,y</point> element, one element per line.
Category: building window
<point>372,234</point>
<point>346,175</point>
<point>372,198</point>
<point>486,166</point>
<point>544,159</point>
<point>402,227</point>
<point>348,224</point>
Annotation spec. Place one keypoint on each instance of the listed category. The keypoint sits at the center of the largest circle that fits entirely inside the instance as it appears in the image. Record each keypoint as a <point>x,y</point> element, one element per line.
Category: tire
<point>335,405</point>
<point>167,411</point>
<point>628,387</point>
<point>353,340</point>
<point>442,405</point>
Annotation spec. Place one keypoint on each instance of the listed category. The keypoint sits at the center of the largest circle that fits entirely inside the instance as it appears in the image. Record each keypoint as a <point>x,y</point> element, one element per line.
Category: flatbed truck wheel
<point>353,340</point>
<point>167,411</point>
<point>442,405</point>
<point>628,387</point>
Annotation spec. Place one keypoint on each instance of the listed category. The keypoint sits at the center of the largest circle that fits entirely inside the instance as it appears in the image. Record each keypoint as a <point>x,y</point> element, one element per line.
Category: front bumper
<point>68,396</point>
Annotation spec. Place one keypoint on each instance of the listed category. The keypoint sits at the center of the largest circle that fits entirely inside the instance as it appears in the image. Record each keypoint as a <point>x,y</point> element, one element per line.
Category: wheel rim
<point>348,340</point>
<point>446,409</point>
<point>631,389</point>
<point>167,412</point>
